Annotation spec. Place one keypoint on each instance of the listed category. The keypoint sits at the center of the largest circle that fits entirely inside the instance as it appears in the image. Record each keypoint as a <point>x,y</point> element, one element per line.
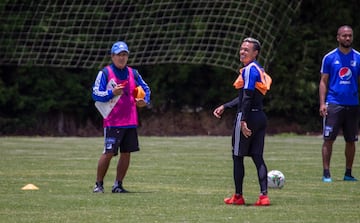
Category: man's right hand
<point>118,89</point>
<point>218,111</point>
<point>323,110</point>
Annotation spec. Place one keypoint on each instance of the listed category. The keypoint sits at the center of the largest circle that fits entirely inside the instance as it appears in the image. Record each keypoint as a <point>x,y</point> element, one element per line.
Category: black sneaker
<point>119,189</point>
<point>98,188</point>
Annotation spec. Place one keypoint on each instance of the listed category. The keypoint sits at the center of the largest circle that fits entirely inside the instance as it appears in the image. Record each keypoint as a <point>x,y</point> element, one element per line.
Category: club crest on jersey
<point>345,73</point>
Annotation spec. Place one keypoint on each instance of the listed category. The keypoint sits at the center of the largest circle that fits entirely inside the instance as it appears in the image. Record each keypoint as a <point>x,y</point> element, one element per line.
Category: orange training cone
<point>30,187</point>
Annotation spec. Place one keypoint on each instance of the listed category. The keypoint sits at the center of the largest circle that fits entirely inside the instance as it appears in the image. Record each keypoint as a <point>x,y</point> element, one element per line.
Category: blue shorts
<point>344,118</point>
<point>123,139</point>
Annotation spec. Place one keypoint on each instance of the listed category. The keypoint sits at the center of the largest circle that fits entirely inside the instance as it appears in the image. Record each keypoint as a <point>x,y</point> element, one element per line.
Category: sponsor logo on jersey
<point>345,73</point>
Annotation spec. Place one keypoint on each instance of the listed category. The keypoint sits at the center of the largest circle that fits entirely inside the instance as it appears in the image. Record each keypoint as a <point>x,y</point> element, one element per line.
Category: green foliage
<point>28,94</point>
<point>296,66</point>
<point>175,86</point>
<point>295,78</point>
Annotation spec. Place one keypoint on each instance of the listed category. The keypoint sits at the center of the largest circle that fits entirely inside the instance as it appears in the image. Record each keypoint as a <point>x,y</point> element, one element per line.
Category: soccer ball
<point>276,179</point>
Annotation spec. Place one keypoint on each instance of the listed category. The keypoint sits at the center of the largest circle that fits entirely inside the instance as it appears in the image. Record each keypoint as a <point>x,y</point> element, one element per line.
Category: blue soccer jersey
<point>343,71</point>
<point>251,75</point>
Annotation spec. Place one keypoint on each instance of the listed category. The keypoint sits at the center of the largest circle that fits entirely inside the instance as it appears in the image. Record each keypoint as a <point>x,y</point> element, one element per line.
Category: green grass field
<point>172,179</point>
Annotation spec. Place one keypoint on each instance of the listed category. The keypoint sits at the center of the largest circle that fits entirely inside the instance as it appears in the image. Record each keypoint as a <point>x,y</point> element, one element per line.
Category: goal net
<point>79,34</point>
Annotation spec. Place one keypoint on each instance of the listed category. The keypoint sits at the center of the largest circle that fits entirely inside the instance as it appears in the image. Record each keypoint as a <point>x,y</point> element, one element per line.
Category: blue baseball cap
<point>119,47</point>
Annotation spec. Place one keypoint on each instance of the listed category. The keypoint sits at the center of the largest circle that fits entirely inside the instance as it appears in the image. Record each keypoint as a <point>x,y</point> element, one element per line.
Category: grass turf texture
<point>172,179</point>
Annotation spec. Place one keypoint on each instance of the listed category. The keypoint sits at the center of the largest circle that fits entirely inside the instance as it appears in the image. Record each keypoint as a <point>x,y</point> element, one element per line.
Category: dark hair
<point>257,45</point>
<point>343,27</point>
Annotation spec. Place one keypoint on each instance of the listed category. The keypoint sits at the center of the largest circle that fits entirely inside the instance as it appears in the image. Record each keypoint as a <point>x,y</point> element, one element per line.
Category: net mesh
<point>79,33</point>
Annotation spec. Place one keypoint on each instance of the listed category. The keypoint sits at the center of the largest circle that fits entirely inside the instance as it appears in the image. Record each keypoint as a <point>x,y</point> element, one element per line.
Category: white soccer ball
<point>276,179</point>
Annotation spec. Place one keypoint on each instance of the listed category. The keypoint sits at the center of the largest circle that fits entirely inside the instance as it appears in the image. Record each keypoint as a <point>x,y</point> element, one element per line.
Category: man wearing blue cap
<point>114,88</point>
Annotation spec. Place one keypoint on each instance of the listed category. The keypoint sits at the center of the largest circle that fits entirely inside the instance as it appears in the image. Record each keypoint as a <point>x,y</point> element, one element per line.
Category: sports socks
<point>326,173</point>
<point>348,172</point>
<point>117,183</point>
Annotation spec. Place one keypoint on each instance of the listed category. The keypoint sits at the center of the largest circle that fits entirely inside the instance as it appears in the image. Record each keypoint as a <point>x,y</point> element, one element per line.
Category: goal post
<point>79,34</point>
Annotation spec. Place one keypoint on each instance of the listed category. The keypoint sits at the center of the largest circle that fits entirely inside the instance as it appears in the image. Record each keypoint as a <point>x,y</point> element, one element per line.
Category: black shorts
<point>341,117</point>
<point>125,139</point>
<point>253,145</point>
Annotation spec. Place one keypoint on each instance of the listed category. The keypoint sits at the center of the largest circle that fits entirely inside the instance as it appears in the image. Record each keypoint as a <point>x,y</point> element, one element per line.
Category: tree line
<point>44,100</point>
